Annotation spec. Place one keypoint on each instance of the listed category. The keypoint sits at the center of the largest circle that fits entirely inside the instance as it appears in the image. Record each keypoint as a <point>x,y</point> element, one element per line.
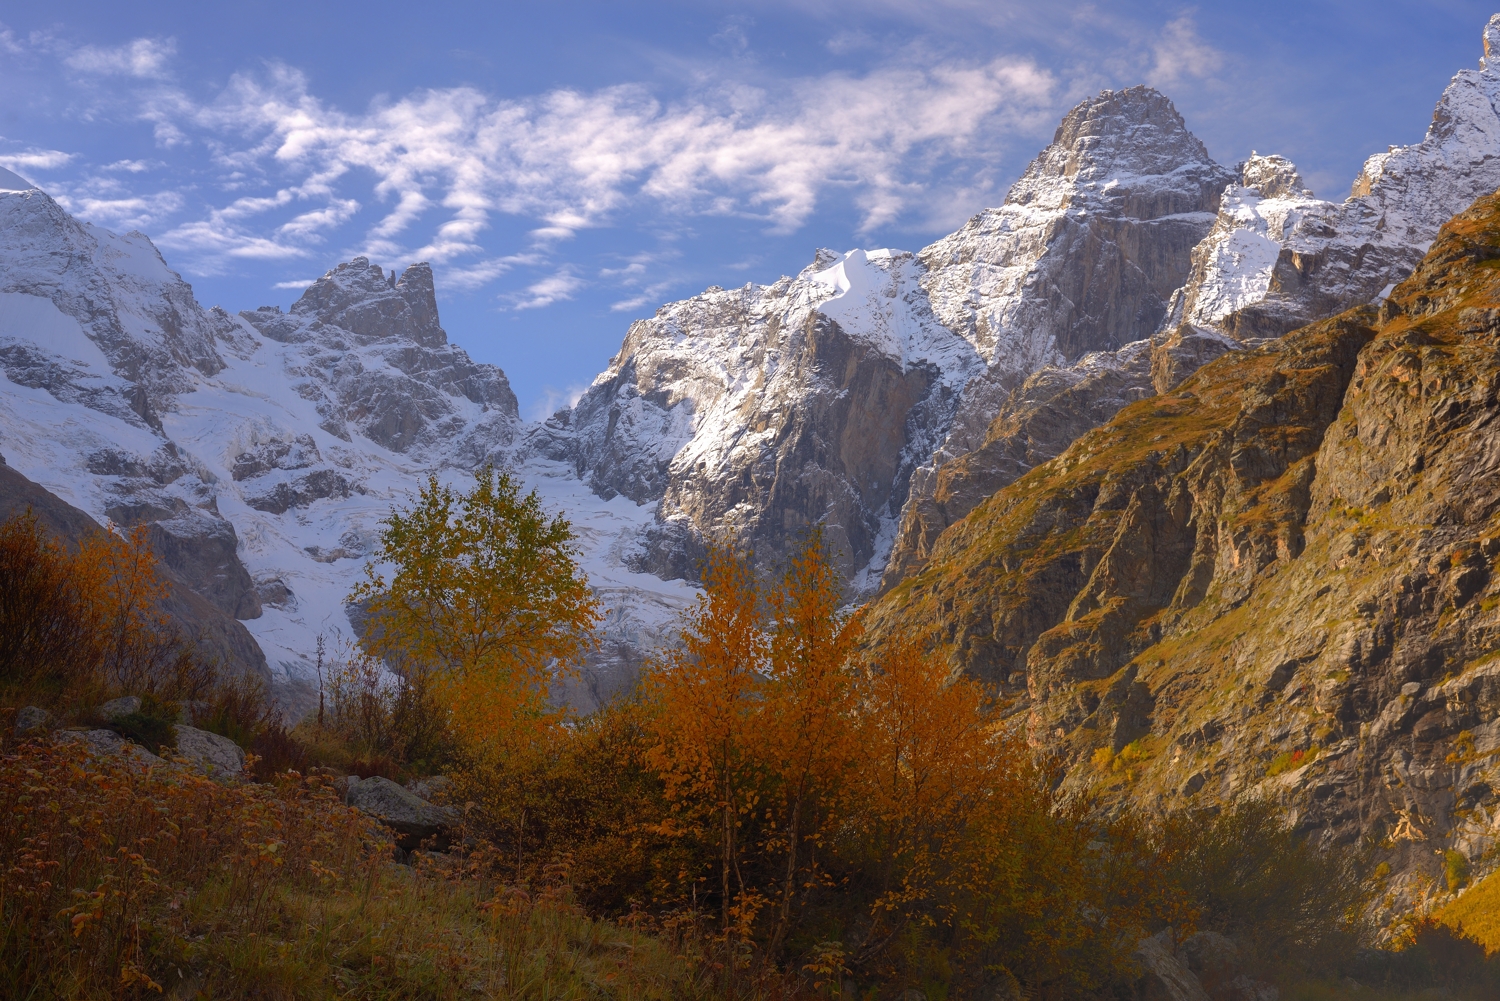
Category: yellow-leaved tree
<point>484,599</point>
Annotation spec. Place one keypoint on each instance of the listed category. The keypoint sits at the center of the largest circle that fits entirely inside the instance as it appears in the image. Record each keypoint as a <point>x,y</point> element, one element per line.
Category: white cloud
<point>299,283</point>
<point>143,57</point>
<point>553,288</point>
<point>475,275</point>
<point>1181,52</point>
<point>36,159</point>
<point>573,159</point>
<point>554,399</point>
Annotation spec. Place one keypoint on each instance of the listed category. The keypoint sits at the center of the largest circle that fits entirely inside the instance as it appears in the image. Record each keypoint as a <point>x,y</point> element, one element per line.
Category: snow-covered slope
<point>1279,258</point>
<point>263,449</point>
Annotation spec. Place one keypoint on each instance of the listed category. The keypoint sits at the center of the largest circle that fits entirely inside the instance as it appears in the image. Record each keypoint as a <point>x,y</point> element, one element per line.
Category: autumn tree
<point>81,623</point>
<point>808,737</point>
<point>485,591</point>
<point>707,694</point>
<point>932,760</point>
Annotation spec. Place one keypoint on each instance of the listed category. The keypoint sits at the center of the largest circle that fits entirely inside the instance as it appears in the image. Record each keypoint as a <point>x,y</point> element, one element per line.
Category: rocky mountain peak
<point>1117,135</point>
<point>359,297</point>
<point>1491,40</point>
<point>1273,176</point>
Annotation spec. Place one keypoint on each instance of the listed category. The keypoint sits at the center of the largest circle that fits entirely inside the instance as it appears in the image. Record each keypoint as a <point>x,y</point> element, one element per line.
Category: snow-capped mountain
<point>880,393</point>
<point>263,449</point>
<point>833,395</point>
<point>760,410</point>
<point>1279,258</point>
<point>1275,258</point>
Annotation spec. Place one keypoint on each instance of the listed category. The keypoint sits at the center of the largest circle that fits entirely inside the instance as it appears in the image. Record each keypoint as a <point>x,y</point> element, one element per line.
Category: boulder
<point>102,742</point>
<point>1164,978</point>
<point>115,708</point>
<point>411,817</point>
<point>210,753</point>
<point>433,788</point>
<point>30,719</point>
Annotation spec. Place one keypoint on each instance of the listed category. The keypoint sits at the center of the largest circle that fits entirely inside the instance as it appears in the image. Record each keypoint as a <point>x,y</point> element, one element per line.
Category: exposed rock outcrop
<point>412,818</point>
<point>1278,257</point>
<point>1277,580</point>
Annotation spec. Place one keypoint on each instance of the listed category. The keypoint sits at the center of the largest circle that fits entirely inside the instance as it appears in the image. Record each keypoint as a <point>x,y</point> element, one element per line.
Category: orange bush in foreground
<point>104,858</point>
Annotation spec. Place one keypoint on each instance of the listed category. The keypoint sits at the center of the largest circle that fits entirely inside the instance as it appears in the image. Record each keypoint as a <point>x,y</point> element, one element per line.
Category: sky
<point>566,167</point>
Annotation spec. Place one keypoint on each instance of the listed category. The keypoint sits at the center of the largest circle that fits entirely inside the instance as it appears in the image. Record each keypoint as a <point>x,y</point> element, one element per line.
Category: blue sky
<point>567,166</point>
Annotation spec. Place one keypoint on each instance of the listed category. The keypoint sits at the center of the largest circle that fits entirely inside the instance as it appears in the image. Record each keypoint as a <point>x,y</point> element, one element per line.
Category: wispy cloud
<point>553,288</point>
<point>34,158</point>
<point>299,283</point>
<point>143,57</point>
<point>1181,53</point>
<point>554,399</point>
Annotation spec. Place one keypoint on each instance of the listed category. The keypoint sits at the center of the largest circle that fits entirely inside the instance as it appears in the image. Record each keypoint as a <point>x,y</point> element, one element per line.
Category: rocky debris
<point>104,742</point>
<point>31,720</point>
<point>1277,580</point>
<point>214,633</point>
<point>214,755</point>
<point>126,705</point>
<point>412,818</point>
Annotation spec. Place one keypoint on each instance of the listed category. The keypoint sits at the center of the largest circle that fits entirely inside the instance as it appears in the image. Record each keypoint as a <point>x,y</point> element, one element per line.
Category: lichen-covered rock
<point>102,742</point>
<point>213,754</point>
<point>412,818</point>
<point>31,720</point>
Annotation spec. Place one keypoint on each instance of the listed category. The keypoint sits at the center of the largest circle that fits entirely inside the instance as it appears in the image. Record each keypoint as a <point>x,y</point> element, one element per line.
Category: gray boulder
<point>30,719</point>
<point>104,742</point>
<point>115,708</point>
<point>210,753</point>
<point>433,788</point>
<point>411,817</point>
<point>1164,978</point>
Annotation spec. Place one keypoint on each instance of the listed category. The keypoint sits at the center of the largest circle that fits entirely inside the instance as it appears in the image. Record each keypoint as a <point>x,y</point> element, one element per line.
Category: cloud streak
<point>444,163</point>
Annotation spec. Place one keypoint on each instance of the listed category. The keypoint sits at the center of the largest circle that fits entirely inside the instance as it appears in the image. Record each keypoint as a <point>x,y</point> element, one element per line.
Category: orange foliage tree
<point>707,697</point>
<point>808,734</point>
<point>80,624</point>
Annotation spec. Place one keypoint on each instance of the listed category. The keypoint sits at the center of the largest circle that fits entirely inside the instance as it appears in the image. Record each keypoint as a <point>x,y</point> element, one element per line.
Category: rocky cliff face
<point>1275,580</point>
<point>757,412</point>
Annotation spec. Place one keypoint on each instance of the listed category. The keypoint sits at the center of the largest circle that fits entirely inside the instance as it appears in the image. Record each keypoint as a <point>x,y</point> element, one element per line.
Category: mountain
<point>1275,258</point>
<point>886,395</point>
<point>1275,581</point>
<point>263,449</point>
<point>829,397</point>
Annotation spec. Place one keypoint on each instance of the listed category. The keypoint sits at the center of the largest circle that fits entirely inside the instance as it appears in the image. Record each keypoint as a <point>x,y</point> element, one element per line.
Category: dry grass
<point>124,882</point>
